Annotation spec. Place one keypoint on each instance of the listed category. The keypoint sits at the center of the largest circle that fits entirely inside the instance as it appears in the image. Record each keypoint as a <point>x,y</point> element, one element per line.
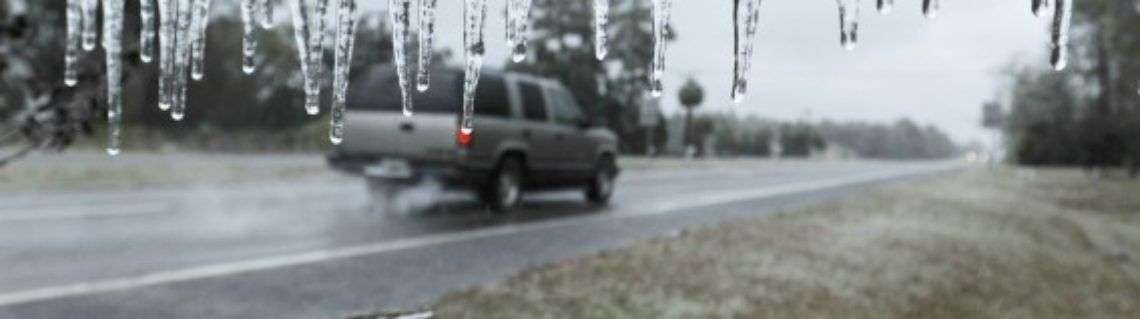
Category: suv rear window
<point>379,90</point>
<point>534,107</point>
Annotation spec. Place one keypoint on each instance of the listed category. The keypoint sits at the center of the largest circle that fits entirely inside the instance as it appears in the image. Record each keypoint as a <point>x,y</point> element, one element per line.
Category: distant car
<point>530,134</point>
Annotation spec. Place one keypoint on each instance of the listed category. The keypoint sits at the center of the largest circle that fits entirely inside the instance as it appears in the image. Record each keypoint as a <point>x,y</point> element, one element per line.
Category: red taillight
<point>465,138</point>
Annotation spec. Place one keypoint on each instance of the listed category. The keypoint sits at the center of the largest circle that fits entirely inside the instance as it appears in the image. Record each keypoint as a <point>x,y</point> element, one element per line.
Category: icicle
<point>885,6</point>
<point>747,22</point>
<point>308,25</point>
<point>1040,7</point>
<point>518,24</point>
<point>345,40</point>
<point>74,43</point>
<point>317,53</point>
<point>400,14</point>
<point>1062,13</point>
<point>199,24</point>
<point>660,21</point>
<point>181,59</point>
<point>90,9</point>
<point>848,23</point>
<point>301,35</point>
<point>475,16</point>
<point>265,7</point>
<point>930,8</point>
<point>146,30</point>
<point>601,23</point>
<point>168,19</point>
<point>427,35</point>
<point>249,39</point>
<point>113,47</point>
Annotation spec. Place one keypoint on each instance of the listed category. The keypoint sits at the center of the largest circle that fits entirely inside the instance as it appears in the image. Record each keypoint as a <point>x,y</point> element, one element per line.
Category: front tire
<point>503,192</point>
<point>601,186</point>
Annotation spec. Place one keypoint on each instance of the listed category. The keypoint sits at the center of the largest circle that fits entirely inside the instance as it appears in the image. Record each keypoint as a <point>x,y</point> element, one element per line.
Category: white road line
<point>80,211</point>
<point>227,269</point>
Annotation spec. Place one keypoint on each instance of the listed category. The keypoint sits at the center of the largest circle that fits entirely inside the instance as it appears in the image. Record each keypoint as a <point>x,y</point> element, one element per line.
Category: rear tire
<point>601,185</point>
<point>503,192</point>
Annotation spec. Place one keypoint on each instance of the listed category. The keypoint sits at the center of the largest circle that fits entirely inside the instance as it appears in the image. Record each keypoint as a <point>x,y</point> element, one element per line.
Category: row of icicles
<point>181,38</point>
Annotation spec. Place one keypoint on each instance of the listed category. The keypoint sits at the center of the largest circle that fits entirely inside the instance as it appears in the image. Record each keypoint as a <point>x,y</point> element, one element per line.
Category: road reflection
<point>455,211</point>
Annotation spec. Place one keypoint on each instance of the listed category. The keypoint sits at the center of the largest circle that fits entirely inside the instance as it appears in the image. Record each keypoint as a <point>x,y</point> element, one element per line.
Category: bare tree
<point>37,111</point>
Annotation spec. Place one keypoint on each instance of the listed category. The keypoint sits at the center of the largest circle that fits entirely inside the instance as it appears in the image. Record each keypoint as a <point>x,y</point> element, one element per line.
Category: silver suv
<point>530,134</point>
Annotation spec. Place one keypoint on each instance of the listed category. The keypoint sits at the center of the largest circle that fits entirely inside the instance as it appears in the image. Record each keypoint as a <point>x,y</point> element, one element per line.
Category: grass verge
<point>92,171</point>
<point>89,169</point>
<point>1011,243</point>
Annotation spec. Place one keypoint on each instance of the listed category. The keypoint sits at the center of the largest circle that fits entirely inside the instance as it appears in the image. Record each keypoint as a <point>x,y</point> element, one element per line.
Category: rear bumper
<point>451,174</point>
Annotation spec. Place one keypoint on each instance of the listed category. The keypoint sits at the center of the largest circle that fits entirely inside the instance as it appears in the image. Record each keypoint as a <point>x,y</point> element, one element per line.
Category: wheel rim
<point>508,188</point>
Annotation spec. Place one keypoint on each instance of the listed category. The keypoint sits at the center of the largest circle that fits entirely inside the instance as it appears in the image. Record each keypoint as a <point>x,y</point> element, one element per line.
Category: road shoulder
<point>1036,243</point>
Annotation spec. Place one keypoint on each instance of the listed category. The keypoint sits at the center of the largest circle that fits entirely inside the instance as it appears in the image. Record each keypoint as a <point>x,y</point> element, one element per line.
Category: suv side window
<point>534,107</point>
<point>491,98</point>
<point>566,110</point>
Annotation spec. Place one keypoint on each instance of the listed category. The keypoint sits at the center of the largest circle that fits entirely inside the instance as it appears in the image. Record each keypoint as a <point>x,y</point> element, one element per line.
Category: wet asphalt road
<point>327,250</point>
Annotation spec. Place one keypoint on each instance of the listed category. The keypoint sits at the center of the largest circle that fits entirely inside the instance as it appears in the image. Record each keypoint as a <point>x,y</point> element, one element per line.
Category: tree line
<point>1088,115</point>
<point>753,136</point>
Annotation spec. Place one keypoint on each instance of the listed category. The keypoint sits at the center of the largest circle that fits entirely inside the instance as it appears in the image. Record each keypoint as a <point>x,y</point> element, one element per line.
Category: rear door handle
<point>526,133</point>
<point>560,136</point>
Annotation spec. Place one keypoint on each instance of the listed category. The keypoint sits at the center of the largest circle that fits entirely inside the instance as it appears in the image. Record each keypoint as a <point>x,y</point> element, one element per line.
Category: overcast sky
<point>934,71</point>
